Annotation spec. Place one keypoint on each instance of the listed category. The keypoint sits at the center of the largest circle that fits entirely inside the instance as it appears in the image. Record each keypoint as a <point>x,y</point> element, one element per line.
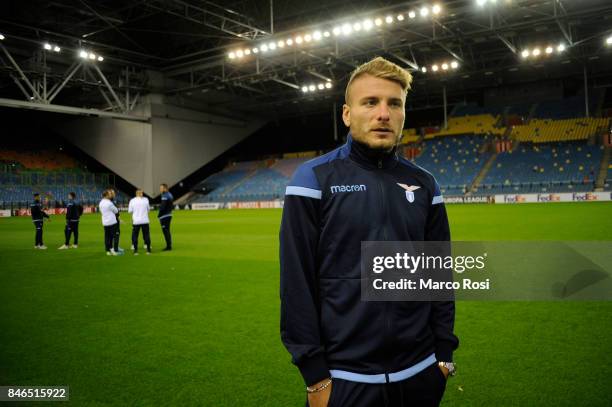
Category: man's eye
<point>370,102</point>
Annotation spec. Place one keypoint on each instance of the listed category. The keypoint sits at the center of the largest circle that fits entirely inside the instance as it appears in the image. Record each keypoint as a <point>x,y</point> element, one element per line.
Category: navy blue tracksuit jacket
<point>332,203</point>
<point>37,212</point>
<point>73,211</point>
<point>166,206</point>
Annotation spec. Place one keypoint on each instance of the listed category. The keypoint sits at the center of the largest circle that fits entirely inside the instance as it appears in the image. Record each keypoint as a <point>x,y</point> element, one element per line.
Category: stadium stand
<point>265,184</point>
<point>549,130</point>
<point>219,184</point>
<point>551,167</point>
<point>249,180</point>
<point>51,173</point>
<point>288,166</point>
<point>465,119</point>
<point>409,136</point>
<point>471,124</point>
<point>454,161</point>
<point>46,160</point>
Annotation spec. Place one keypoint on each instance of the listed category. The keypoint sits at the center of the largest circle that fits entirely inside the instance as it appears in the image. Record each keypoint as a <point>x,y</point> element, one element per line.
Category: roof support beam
<point>69,110</point>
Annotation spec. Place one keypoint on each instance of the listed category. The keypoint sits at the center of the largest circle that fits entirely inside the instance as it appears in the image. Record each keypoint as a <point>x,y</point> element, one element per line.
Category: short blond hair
<point>379,67</point>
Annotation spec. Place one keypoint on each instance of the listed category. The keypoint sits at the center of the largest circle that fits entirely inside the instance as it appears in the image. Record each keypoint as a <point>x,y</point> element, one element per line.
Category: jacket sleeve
<point>44,214</point>
<point>442,317</point>
<point>299,236</point>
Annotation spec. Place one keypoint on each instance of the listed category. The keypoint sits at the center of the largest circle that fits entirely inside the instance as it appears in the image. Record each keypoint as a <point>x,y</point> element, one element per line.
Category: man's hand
<point>444,371</point>
<point>320,398</point>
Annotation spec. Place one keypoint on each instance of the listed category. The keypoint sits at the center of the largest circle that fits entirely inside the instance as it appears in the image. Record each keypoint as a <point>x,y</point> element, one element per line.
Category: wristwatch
<point>450,366</point>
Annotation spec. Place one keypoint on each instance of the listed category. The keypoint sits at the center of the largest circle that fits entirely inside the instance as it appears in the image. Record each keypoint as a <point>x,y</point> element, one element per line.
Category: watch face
<point>449,366</point>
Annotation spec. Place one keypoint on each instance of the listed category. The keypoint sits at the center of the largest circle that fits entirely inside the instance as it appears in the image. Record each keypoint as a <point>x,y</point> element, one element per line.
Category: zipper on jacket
<point>387,330</point>
<point>383,205</point>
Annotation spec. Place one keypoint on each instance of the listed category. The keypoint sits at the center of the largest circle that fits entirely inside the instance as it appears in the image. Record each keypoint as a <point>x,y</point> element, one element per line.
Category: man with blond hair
<point>352,352</point>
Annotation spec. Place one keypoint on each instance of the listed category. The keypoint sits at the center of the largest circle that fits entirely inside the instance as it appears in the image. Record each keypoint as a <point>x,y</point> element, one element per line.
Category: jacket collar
<point>369,158</point>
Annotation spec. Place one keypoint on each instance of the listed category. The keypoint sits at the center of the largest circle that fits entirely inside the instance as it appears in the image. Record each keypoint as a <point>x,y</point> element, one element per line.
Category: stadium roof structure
<point>285,57</point>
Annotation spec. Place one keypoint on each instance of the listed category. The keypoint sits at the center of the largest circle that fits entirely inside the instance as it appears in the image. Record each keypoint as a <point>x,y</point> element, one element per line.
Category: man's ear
<point>346,115</point>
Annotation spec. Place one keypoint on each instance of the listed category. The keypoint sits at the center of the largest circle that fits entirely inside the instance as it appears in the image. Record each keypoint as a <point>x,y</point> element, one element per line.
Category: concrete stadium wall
<point>175,143</point>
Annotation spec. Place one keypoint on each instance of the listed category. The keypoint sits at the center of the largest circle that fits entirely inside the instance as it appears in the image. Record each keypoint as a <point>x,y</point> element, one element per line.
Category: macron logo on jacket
<point>348,188</point>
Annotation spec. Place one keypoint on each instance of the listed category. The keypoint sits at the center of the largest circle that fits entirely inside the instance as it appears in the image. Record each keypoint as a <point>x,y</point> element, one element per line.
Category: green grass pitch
<point>199,326</point>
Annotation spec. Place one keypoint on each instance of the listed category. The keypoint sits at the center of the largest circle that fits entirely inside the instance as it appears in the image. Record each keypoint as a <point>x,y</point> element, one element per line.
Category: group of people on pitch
<point>138,207</point>
<point>74,210</point>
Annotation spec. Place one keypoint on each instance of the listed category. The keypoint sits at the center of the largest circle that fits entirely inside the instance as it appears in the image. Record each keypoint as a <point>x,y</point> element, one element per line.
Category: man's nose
<point>383,112</point>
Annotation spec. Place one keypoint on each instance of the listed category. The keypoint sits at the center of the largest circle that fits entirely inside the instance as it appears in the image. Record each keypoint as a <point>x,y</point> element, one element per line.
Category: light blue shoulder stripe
<point>301,191</point>
<point>304,177</point>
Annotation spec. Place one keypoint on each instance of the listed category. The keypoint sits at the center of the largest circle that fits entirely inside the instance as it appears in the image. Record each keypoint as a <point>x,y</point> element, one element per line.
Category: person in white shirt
<point>109,213</point>
<point>139,208</point>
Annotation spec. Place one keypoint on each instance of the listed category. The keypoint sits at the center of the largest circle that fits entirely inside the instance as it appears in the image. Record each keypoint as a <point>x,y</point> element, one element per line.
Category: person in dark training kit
<point>74,210</point>
<point>165,214</point>
<point>113,193</point>
<point>38,217</point>
<point>352,352</point>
